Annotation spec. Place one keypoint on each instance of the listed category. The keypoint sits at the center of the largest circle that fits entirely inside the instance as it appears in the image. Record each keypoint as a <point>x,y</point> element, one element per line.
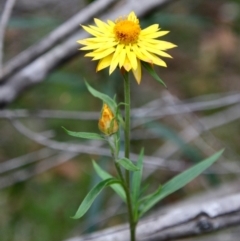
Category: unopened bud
<point>107,122</point>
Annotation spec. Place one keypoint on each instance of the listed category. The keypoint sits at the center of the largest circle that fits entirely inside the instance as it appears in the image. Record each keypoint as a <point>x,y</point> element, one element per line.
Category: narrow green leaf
<point>91,196</point>
<point>137,176</point>
<point>105,175</point>
<point>127,164</point>
<point>85,135</point>
<point>178,182</point>
<point>105,98</point>
<point>150,196</point>
<point>152,72</point>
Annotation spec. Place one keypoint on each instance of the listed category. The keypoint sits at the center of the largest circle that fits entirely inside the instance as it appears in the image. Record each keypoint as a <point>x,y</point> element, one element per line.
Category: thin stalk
<point>127,114</point>
<point>126,189</point>
<point>127,121</point>
<point>119,171</point>
<point>127,151</point>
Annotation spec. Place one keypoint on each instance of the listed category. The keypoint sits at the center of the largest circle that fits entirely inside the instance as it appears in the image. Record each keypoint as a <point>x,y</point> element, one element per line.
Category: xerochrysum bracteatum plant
<point>122,44</point>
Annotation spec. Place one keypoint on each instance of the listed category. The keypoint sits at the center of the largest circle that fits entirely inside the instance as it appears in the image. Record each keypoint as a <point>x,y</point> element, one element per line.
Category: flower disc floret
<point>125,45</point>
<point>126,32</point>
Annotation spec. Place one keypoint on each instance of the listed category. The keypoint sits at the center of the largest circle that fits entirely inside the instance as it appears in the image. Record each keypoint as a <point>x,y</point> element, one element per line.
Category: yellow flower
<point>107,122</point>
<point>124,44</point>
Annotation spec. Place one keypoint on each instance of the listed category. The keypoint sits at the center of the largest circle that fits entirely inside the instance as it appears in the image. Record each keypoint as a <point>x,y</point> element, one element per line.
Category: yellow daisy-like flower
<point>124,44</point>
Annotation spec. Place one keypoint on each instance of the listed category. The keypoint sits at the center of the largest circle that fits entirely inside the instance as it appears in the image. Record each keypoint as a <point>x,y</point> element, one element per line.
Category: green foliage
<point>152,72</point>
<point>136,184</point>
<point>127,164</point>
<point>105,98</point>
<point>136,179</point>
<point>105,175</point>
<point>85,135</point>
<point>177,182</point>
<point>91,196</point>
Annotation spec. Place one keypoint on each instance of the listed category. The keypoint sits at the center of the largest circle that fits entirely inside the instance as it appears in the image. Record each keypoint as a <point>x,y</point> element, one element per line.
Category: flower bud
<point>107,122</point>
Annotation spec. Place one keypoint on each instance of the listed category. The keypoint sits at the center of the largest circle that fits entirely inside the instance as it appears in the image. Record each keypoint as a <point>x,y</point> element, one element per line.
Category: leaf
<point>105,175</point>
<point>136,185</point>
<point>91,196</point>
<point>178,182</point>
<point>148,197</point>
<point>105,98</point>
<point>152,72</point>
<point>136,179</point>
<point>85,135</point>
<point>127,164</point>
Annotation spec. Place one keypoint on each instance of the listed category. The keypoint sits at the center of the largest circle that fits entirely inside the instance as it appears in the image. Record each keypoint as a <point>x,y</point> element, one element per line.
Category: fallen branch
<point>59,34</point>
<point>182,221</point>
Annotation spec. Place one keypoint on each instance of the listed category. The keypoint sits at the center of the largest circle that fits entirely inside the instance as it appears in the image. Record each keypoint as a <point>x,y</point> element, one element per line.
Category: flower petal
<point>132,57</point>
<point>127,65</point>
<point>153,59</point>
<point>103,26</point>
<point>122,57</point>
<point>92,31</point>
<point>151,29</point>
<point>155,35</point>
<point>115,59</point>
<point>138,72</point>
<point>162,45</point>
<point>98,46</point>
<point>152,49</point>
<point>139,53</point>
<point>132,17</point>
<point>105,62</point>
<point>100,55</point>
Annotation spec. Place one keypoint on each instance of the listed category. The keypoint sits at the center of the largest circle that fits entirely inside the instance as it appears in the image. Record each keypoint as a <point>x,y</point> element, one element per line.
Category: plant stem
<point>127,151</point>
<point>127,114</point>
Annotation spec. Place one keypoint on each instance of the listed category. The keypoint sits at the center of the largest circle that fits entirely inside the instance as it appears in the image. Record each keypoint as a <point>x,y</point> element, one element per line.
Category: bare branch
<point>43,166</point>
<point>174,165</point>
<point>150,162</point>
<point>150,109</point>
<point>202,125</point>
<point>21,161</point>
<point>193,218</point>
<point>49,114</point>
<point>3,24</point>
<point>56,36</point>
<point>158,108</point>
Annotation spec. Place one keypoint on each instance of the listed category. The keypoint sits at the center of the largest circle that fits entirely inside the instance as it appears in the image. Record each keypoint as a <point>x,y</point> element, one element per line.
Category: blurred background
<point>44,173</point>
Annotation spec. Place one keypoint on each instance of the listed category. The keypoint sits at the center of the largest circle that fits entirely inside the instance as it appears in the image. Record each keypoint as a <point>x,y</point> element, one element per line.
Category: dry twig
<point>3,24</point>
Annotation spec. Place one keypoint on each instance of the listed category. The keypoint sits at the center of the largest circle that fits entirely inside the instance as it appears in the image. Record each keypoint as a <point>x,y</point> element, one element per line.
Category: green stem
<point>127,114</point>
<point>127,121</point>
<point>127,151</point>
<point>129,203</point>
<point>127,192</point>
<point>119,171</point>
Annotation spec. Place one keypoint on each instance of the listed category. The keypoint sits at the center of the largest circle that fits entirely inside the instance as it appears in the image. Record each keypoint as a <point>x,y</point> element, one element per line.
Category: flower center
<point>126,31</point>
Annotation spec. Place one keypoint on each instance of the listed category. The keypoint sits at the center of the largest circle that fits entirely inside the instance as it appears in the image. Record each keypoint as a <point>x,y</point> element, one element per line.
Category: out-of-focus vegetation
<point>206,61</point>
